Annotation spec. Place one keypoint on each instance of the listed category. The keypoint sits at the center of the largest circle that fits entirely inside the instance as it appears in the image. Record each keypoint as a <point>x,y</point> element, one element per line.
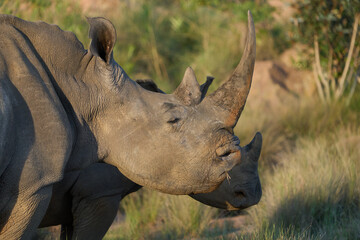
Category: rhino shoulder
<point>36,134</point>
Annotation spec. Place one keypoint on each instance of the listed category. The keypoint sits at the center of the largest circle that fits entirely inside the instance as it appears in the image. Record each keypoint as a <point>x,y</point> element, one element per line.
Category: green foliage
<point>354,103</point>
<point>328,26</point>
<point>332,21</point>
<point>261,11</point>
<point>66,14</point>
<point>280,38</point>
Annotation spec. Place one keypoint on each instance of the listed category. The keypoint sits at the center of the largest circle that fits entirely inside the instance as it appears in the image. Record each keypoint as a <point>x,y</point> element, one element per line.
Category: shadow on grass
<point>214,231</point>
<point>335,216</point>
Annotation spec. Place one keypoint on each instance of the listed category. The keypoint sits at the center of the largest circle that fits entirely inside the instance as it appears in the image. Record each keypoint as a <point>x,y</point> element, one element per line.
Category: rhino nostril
<point>225,154</point>
<point>240,193</point>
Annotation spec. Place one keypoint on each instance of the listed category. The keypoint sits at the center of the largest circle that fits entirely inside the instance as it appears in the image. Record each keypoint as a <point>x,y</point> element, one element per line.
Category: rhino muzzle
<point>249,193</point>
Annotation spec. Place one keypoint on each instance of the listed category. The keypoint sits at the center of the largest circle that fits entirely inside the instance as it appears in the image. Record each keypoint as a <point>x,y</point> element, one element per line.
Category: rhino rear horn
<point>232,95</point>
<point>189,89</point>
<point>103,35</point>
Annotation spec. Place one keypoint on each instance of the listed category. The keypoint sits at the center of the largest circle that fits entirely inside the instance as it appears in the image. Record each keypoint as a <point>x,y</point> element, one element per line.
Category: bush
<point>331,28</point>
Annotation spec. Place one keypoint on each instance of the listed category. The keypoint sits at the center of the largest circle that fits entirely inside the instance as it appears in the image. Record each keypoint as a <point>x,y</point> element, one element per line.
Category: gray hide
<point>85,202</point>
<point>63,108</point>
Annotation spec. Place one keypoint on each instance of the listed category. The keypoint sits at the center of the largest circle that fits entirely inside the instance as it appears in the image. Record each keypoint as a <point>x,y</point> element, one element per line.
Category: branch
<point>330,58</point>
<point>318,85</point>
<point>318,68</point>
<point>329,68</point>
<point>349,56</point>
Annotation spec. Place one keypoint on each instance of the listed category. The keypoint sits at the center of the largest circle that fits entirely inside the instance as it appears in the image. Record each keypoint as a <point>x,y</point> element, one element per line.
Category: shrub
<point>331,29</point>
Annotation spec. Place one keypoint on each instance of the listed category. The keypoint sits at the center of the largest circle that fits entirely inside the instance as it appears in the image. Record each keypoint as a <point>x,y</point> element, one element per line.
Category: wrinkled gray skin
<point>242,189</point>
<point>85,202</point>
<point>63,108</point>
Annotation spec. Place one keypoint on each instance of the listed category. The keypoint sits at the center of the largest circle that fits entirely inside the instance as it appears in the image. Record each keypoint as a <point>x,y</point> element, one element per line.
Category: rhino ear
<point>189,89</point>
<point>205,86</point>
<point>103,35</point>
<point>149,84</point>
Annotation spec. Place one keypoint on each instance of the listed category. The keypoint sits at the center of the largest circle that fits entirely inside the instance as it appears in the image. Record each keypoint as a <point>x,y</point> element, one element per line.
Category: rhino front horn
<point>231,96</point>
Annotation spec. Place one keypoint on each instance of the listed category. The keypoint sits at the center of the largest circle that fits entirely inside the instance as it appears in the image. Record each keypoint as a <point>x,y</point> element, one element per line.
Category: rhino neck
<point>77,79</point>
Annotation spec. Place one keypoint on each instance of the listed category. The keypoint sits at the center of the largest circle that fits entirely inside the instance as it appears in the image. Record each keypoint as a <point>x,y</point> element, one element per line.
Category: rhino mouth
<point>248,193</point>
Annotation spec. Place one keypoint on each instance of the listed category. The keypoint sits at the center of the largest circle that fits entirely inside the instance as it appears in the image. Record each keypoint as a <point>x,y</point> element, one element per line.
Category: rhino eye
<point>173,120</point>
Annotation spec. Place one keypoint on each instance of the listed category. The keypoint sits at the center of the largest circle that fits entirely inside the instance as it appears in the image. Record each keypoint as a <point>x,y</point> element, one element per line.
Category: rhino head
<point>178,143</point>
<point>242,188</point>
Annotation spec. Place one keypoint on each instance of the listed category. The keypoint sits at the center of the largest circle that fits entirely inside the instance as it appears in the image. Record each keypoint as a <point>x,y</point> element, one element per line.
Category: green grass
<point>310,161</point>
<point>152,215</point>
<point>314,188</point>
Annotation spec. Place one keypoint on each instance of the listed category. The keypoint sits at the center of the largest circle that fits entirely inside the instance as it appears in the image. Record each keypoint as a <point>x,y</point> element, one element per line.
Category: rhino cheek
<point>160,165</point>
<point>152,156</point>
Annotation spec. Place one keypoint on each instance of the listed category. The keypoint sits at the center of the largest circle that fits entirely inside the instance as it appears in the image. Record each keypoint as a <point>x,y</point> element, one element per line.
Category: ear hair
<point>205,86</point>
<point>103,35</point>
<point>149,84</point>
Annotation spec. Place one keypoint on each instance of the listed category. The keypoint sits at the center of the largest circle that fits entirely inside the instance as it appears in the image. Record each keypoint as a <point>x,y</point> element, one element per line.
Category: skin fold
<point>85,203</point>
<point>64,109</point>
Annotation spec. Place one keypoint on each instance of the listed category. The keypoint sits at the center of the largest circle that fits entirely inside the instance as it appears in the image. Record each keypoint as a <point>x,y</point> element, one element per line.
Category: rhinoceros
<point>86,202</point>
<point>64,108</point>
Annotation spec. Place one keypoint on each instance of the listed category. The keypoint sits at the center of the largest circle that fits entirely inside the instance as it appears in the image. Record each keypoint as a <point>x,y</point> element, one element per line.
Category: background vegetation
<point>310,162</point>
<point>331,28</point>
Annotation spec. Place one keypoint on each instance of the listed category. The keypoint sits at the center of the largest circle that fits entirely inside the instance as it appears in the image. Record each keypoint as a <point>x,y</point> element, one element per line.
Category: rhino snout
<point>245,197</point>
